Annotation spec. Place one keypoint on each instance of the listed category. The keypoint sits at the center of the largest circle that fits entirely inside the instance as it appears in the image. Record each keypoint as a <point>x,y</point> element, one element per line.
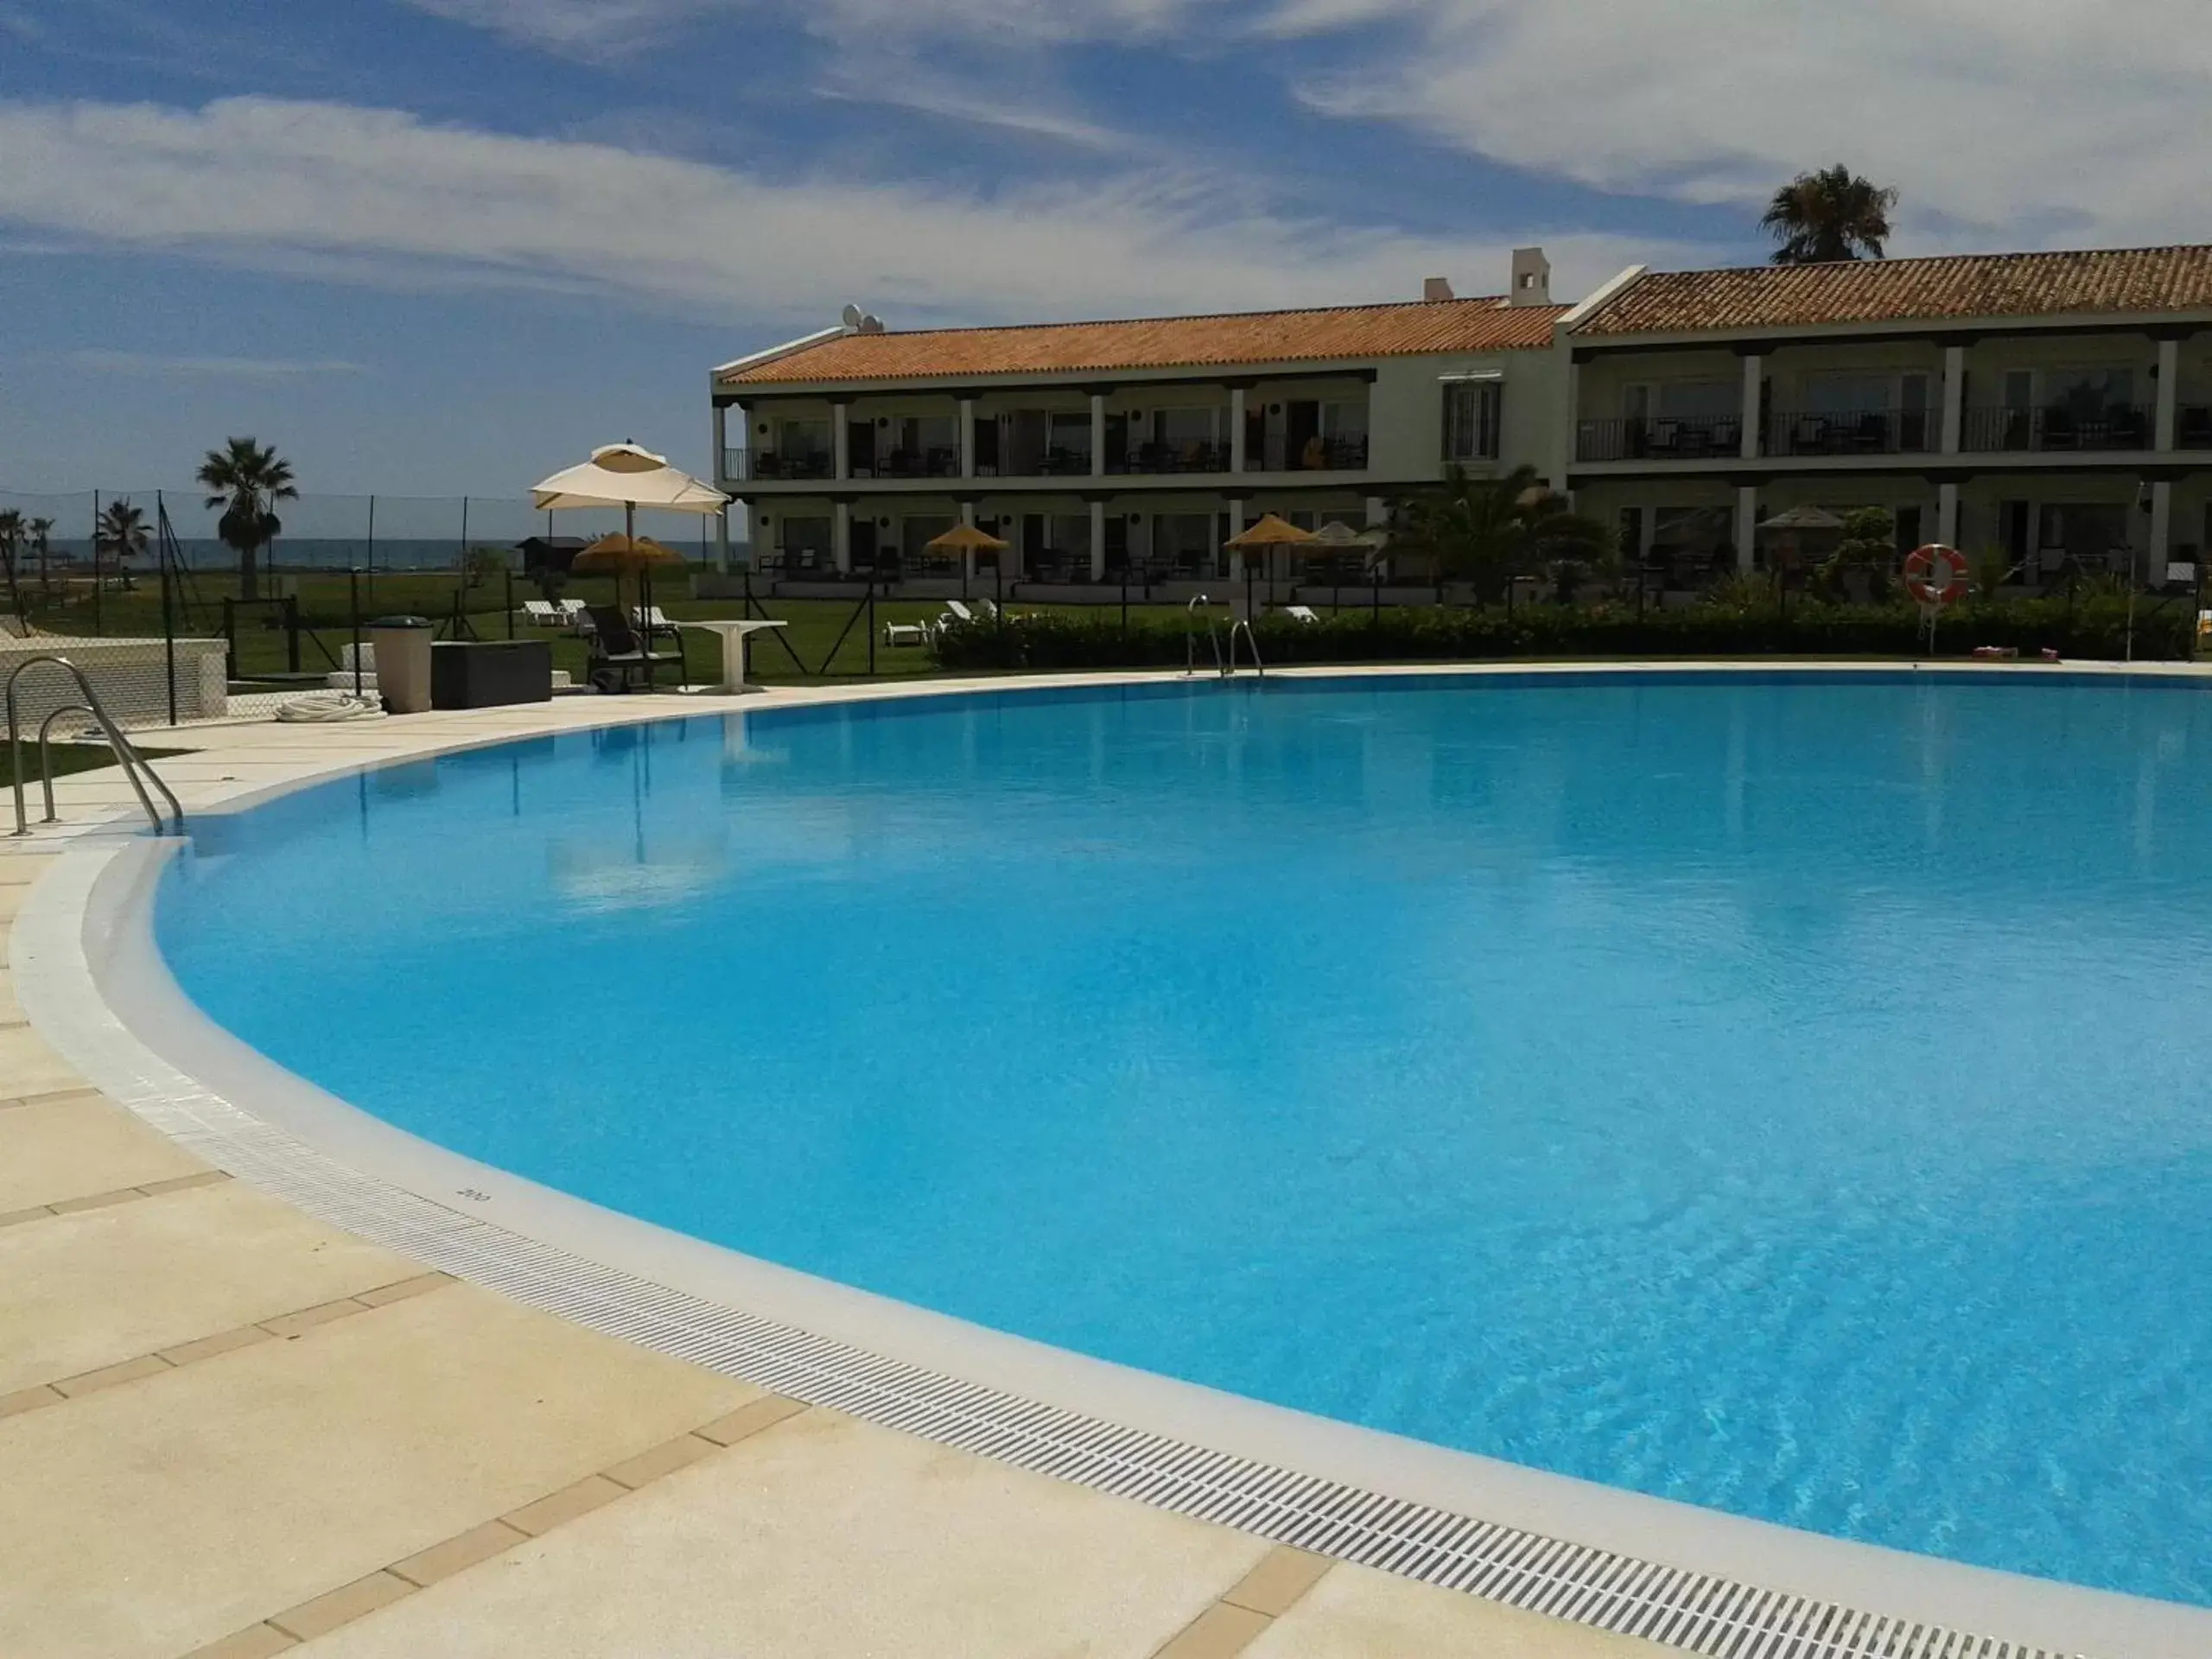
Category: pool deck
<point>229,1429</point>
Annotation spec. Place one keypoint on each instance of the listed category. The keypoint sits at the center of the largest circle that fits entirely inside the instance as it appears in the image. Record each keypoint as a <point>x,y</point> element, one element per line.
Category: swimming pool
<point>1781,1095</point>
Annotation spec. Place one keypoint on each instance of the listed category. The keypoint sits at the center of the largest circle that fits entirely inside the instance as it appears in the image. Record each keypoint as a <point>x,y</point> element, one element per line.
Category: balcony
<point>1343,453</point>
<point>1660,437</point>
<point>936,461</point>
<point>2108,426</point>
<point>1853,432</point>
<point>739,465</point>
<point>1155,458</point>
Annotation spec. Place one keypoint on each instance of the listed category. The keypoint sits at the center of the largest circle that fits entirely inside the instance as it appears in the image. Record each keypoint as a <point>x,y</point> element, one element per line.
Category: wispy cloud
<point>2001,120</point>
<point>621,27</point>
<point>97,361</point>
<point>262,181</point>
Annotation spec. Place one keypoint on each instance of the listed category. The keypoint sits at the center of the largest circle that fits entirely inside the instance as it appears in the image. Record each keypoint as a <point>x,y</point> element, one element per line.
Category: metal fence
<point>179,625</point>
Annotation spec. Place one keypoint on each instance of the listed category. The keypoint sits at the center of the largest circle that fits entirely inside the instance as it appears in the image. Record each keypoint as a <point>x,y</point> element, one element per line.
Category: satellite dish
<point>871,324</point>
<point>852,315</point>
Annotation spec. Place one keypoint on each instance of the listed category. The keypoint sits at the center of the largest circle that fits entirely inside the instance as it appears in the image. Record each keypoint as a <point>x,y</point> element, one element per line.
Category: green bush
<point>2090,626</point>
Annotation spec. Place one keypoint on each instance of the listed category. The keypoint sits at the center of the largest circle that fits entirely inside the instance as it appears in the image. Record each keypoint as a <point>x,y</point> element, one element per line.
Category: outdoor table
<point>736,649</point>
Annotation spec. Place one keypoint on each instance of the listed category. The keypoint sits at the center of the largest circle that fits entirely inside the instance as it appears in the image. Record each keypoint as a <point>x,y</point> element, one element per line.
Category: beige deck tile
<point>341,1607</point>
<point>1357,1613</point>
<point>564,1506</point>
<point>208,1499</point>
<point>166,1272</point>
<point>298,1323</point>
<point>21,869</point>
<point>27,1066</point>
<point>75,1149</point>
<point>1280,1579</point>
<point>29,1400</point>
<point>825,1536</point>
<point>1219,1632</point>
<point>255,1641</point>
<point>400,1290</point>
<point>456,1555</point>
<point>11,1011</point>
<point>750,1420</point>
<point>109,1376</point>
<point>663,1459</point>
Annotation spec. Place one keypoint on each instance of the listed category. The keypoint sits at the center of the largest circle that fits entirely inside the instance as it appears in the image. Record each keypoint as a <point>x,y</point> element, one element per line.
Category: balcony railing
<point>2110,426</point>
<point>1169,458</point>
<point>936,461</point>
<point>1658,438</point>
<point>769,463</point>
<point>1346,454</point>
<point>1853,432</point>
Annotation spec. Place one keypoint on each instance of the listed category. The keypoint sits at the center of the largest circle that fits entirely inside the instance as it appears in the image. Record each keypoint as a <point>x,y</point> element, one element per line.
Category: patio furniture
<point>737,648</point>
<point>906,634</point>
<point>540,614</point>
<point>489,673</point>
<point>619,657</point>
<point>1300,613</point>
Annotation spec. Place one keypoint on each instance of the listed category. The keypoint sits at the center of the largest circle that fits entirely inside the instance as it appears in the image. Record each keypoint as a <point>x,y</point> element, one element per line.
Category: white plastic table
<point>736,649</point>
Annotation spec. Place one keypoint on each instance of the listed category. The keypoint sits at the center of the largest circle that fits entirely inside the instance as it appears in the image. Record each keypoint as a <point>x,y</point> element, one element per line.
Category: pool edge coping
<point>93,891</point>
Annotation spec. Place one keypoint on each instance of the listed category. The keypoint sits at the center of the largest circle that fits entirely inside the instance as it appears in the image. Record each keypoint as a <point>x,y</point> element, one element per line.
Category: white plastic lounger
<point>1300,613</point>
<point>906,634</point>
<point>958,612</point>
<point>540,614</point>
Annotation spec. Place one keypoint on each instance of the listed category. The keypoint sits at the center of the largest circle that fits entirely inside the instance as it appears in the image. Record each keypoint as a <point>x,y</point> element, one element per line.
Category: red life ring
<point>1921,568</point>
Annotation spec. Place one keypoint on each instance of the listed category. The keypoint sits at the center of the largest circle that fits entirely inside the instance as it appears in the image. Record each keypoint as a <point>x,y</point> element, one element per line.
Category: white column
<point>1947,514</point>
<point>1954,402</point>
<point>841,533</point>
<point>967,443</point>
<point>1236,434</point>
<point>1754,412</point>
<point>841,440</point>
<point>2162,529</point>
<point>1098,541</point>
<point>1097,435</point>
<point>721,442</point>
<point>2168,396</point>
<point>1747,524</point>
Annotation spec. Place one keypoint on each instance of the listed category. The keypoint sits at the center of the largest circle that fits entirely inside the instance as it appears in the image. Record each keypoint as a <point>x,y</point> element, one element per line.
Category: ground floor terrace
<point>2048,527</point>
<point>1074,540</point>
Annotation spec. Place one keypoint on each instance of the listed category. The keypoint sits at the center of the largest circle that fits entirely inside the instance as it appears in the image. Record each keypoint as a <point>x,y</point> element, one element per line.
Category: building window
<point>1471,420</point>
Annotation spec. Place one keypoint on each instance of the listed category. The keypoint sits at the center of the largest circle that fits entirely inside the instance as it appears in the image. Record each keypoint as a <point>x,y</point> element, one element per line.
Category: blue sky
<point>436,245</point>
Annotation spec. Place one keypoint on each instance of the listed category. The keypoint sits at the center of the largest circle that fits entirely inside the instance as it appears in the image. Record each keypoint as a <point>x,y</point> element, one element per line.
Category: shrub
<point>2089,627</point>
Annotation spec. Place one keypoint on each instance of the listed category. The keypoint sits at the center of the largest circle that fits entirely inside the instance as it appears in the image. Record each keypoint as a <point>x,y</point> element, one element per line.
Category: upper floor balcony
<point>1833,433</point>
<point>2060,427</point>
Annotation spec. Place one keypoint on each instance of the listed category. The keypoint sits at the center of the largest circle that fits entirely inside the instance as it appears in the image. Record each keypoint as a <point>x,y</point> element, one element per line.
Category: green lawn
<point>68,758</point>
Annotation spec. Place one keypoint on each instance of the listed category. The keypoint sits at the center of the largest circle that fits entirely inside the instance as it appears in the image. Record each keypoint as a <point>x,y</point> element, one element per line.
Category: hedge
<point>2089,627</point>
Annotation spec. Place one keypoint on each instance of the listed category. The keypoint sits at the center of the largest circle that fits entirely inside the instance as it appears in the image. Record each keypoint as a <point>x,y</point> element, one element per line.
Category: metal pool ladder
<point>1190,613</point>
<point>135,766</point>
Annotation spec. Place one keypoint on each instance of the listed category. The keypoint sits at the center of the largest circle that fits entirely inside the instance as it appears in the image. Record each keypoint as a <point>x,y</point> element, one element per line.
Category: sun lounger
<point>540,614</point>
<point>1300,613</point>
<point>906,634</point>
<point>958,612</point>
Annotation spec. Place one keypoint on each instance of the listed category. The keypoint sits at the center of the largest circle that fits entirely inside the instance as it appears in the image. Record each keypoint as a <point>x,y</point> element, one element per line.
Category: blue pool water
<point>1790,1096</point>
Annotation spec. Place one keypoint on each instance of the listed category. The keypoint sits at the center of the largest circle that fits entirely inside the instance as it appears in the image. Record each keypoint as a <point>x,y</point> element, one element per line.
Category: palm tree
<point>11,535</point>
<point>41,530</point>
<point>1487,532</point>
<point>246,480</point>
<point>1828,215</point>
<point>120,534</point>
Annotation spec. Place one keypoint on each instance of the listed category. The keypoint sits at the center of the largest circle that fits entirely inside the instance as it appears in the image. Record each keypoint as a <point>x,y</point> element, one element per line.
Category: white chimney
<point>1433,288</point>
<point>1532,278</point>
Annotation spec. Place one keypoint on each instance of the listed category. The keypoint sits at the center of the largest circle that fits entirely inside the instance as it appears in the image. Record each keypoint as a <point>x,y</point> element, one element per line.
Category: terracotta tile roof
<point>1252,337</point>
<point>2144,280</point>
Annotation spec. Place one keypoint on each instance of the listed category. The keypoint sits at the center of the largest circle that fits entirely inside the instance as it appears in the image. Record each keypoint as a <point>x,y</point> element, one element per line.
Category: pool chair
<point>906,634</point>
<point>1300,613</point>
<point>958,612</point>
<point>621,659</point>
<point>540,614</point>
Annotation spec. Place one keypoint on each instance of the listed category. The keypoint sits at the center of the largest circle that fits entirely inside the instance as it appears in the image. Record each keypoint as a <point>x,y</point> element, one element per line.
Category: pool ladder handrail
<point>135,766</point>
<point>1190,639</point>
<point>1243,625</point>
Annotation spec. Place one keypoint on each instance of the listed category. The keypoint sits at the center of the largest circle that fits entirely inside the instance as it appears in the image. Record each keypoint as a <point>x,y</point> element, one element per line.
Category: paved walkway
<point>227,1429</point>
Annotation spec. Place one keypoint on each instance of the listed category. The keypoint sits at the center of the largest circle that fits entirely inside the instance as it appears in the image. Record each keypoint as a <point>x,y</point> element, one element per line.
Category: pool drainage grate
<point>1692,1610</point>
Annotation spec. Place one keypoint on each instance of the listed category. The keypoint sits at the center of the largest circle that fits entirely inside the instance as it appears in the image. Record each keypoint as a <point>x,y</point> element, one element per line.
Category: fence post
<point>169,621</point>
<point>372,547</point>
<point>871,622</point>
<point>229,636</point>
<point>292,632</point>
<point>510,576</point>
<point>353,607</point>
<point>95,562</point>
